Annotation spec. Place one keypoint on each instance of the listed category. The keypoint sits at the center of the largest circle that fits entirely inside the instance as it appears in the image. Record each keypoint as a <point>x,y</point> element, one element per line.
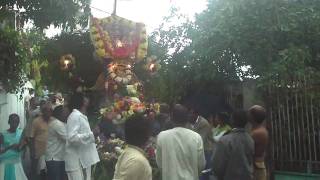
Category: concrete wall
<point>10,103</point>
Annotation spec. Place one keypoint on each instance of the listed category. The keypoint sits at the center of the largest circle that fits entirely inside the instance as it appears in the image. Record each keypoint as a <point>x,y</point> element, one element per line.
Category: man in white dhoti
<point>81,152</point>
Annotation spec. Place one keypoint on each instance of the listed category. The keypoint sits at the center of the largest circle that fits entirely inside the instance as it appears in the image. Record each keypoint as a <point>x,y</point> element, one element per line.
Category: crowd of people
<point>221,148</point>
<point>58,143</point>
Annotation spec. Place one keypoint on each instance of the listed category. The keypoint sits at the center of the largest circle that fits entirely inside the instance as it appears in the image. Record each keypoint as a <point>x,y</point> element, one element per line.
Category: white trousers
<point>80,174</point>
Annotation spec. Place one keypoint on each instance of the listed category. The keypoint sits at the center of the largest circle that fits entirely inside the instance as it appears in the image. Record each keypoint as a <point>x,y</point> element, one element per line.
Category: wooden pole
<point>115,7</point>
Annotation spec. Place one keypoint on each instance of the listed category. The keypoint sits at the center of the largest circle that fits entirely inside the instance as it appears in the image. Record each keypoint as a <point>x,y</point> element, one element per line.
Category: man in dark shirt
<point>233,156</point>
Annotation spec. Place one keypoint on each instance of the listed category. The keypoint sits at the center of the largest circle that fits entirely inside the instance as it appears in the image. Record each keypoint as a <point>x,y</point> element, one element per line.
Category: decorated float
<point>120,44</point>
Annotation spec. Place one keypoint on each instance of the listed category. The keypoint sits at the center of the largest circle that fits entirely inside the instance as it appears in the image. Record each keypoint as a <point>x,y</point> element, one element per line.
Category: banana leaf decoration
<point>36,68</point>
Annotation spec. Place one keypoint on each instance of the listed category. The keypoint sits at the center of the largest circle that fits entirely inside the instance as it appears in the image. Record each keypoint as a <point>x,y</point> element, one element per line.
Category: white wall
<point>10,103</point>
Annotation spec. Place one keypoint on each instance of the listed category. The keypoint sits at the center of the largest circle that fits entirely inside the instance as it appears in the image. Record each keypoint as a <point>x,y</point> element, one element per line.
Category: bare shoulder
<point>260,133</point>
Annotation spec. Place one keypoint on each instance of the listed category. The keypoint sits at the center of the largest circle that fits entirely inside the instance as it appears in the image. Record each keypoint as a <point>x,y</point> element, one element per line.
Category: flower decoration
<point>122,109</point>
<point>150,148</point>
<point>67,62</point>
<point>109,149</point>
<point>152,65</point>
<point>135,89</point>
<point>120,73</point>
<point>118,38</point>
<point>155,107</point>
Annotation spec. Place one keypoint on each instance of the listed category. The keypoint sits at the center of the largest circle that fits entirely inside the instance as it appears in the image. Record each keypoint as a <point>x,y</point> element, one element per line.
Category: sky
<point>149,12</point>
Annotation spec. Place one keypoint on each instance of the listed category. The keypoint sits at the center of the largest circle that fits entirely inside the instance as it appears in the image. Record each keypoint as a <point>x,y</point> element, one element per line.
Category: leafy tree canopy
<point>13,58</point>
<point>64,13</point>
<point>78,44</point>
<point>271,41</point>
<point>276,39</point>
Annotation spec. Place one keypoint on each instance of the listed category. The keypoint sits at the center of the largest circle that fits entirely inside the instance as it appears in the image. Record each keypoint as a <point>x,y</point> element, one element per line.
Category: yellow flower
<point>101,52</point>
<point>99,44</point>
<point>93,29</point>
<point>96,36</point>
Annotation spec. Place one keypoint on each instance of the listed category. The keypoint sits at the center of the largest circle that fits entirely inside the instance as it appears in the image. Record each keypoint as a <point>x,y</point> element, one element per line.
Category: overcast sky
<point>149,12</point>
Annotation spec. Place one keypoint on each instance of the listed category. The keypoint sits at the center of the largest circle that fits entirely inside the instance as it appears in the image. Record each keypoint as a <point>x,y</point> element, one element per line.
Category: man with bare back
<point>259,133</point>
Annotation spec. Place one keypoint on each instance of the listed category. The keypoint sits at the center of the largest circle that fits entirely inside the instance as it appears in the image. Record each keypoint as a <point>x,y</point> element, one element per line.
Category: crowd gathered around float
<point>59,142</point>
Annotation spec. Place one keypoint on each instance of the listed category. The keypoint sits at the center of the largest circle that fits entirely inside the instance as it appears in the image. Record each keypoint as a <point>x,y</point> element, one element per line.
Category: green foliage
<point>274,38</point>
<point>35,40</point>
<point>270,41</point>
<point>13,59</point>
<point>43,13</point>
<point>79,45</point>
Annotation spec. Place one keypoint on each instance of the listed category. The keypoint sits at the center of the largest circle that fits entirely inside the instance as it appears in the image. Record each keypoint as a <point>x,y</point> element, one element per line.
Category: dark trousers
<point>55,170</point>
<point>34,169</point>
<point>207,155</point>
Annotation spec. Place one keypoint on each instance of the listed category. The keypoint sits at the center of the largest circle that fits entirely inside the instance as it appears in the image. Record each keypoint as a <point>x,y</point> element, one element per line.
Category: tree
<point>275,39</point>
<point>64,13</point>
<point>20,52</point>
<point>271,41</point>
<point>13,59</point>
<point>78,44</point>
<point>21,59</point>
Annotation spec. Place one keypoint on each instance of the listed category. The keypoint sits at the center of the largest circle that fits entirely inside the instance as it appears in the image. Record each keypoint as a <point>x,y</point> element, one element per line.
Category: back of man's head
<point>137,130</point>
<point>164,108</point>
<point>258,114</point>
<point>223,116</point>
<point>76,101</point>
<point>180,114</point>
<point>239,119</point>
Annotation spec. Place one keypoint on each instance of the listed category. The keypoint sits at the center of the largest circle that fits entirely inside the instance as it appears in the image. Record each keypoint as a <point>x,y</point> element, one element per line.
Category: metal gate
<point>295,126</point>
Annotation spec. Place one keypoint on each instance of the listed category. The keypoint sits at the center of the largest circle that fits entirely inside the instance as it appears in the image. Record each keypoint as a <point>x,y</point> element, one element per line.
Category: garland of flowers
<point>121,45</point>
<point>120,73</point>
<point>122,109</point>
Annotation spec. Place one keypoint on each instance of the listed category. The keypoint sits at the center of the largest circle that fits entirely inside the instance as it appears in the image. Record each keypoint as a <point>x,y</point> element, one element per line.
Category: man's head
<point>46,111</point>
<point>61,113</point>
<point>14,121</point>
<point>137,130</point>
<point>257,114</point>
<point>193,111</point>
<point>164,108</point>
<point>222,118</point>
<point>180,114</point>
<point>42,103</point>
<point>239,119</point>
<point>31,91</point>
<point>78,101</point>
<point>34,102</point>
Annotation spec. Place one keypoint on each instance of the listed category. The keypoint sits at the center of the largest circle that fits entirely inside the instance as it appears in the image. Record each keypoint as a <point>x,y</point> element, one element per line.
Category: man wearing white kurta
<point>180,153</point>
<point>81,152</point>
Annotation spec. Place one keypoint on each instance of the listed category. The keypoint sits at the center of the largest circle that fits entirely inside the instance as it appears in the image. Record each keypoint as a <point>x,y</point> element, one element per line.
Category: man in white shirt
<point>81,152</point>
<point>57,135</point>
<point>180,153</point>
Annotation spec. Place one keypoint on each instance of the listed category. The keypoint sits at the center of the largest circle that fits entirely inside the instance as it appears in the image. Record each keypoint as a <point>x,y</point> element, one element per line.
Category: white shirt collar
<point>198,119</point>
<point>79,112</point>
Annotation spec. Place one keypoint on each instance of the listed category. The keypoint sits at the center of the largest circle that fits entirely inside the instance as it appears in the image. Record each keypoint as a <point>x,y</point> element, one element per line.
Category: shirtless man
<point>260,136</point>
